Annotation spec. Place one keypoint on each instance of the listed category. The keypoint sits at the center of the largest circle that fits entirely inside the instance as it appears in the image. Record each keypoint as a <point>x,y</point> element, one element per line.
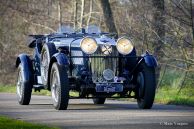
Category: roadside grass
<point>7,88</point>
<point>12,89</point>
<point>171,95</point>
<point>169,91</point>
<point>9,123</point>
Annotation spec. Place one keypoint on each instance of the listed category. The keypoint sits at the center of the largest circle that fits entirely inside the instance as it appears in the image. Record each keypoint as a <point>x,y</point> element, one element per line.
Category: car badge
<point>106,49</point>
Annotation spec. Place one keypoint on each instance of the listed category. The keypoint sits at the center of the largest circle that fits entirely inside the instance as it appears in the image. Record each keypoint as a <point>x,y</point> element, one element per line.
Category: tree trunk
<point>82,13</point>
<point>159,28</point>
<point>90,13</point>
<point>49,6</point>
<point>75,4</point>
<point>108,17</point>
<point>59,15</point>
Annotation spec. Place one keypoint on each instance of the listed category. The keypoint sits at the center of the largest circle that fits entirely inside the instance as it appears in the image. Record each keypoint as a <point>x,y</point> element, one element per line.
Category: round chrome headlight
<point>88,45</point>
<point>124,46</point>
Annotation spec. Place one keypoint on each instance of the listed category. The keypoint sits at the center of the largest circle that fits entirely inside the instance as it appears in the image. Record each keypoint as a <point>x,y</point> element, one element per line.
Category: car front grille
<point>103,62</point>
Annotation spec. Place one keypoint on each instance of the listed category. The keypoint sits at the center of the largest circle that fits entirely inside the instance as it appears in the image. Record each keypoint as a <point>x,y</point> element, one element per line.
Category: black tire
<point>146,90</point>
<point>99,100</point>
<point>24,87</point>
<point>59,86</point>
<point>47,52</point>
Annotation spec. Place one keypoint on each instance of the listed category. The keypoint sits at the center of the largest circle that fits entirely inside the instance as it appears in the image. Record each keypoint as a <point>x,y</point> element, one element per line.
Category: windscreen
<point>66,29</point>
<point>93,29</point>
<point>88,29</point>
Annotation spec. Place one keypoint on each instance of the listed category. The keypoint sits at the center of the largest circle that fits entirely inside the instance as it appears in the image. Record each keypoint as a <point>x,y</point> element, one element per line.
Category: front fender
<point>26,63</point>
<point>61,59</point>
<point>150,60</point>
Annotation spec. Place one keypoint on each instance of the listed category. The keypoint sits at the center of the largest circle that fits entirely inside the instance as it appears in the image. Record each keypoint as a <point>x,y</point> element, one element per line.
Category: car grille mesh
<point>99,64</point>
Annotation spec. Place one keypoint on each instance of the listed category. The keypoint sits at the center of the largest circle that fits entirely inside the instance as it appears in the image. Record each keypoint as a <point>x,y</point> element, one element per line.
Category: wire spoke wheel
<point>45,63</point>
<point>55,87</point>
<point>19,84</point>
<point>47,52</point>
<point>59,86</point>
<point>23,86</point>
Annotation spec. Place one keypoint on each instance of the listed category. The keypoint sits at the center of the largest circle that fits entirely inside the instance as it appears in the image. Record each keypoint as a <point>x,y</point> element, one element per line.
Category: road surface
<point>83,114</point>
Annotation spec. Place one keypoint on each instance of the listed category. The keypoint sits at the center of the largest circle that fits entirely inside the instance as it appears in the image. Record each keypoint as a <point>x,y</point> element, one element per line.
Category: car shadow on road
<point>102,106</point>
<point>41,104</point>
<point>115,106</point>
<point>88,106</point>
<point>125,107</point>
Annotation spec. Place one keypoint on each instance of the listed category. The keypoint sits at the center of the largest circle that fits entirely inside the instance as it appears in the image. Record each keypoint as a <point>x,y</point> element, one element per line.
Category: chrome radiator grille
<point>99,64</point>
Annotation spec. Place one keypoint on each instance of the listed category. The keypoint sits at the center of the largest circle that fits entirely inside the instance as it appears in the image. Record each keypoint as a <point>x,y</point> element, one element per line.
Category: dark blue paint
<point>26,66</point>
<point>36,57</point>
<point>61,58</point>
<point>150,60</point>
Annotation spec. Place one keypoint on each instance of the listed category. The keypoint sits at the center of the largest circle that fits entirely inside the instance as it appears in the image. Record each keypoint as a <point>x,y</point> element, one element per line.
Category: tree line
<point>164,27</point>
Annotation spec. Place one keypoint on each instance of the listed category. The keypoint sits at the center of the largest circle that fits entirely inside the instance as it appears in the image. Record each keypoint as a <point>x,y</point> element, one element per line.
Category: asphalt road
<point>83,114</point>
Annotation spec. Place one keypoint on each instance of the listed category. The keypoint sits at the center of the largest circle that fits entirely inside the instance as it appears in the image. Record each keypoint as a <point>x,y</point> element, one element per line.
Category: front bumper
<point>109,87</point>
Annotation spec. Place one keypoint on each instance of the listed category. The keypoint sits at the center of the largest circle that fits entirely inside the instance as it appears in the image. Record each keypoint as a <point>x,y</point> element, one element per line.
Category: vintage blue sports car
<point>95,64</point>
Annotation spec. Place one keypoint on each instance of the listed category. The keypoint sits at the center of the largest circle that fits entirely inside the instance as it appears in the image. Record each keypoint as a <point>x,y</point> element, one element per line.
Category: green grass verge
<point>8,123</point>
<point>7,89</point>
<point>12,89</point>
<point>172,95</point>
